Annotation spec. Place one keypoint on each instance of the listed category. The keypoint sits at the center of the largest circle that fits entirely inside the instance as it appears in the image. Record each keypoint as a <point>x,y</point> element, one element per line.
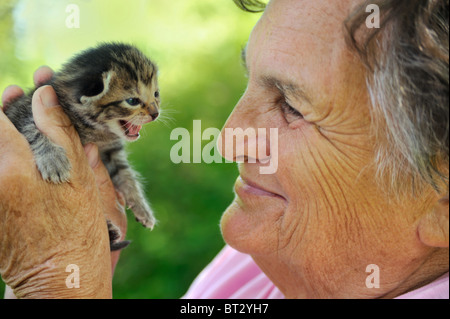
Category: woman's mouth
<point>244,187</point>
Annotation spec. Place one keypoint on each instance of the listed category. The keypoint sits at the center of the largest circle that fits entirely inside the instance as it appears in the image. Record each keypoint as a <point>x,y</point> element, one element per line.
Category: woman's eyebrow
<point>287,88</point>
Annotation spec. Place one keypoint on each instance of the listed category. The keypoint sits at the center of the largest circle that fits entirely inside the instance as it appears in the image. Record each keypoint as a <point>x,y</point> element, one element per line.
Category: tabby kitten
<point>108,92</point>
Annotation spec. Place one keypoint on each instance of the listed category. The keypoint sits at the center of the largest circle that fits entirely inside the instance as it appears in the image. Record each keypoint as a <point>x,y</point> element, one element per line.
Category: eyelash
<point>288,109</point>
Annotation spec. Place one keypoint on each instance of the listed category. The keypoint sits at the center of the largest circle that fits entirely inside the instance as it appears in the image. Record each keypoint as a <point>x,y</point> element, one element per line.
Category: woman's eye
<point>133,101</point>
<point>289,112</point>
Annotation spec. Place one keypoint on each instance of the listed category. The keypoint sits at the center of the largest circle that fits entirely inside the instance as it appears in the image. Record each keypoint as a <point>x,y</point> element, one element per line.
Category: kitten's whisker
<point>166,120</point>
<point>134,120</point>
<point>144,131</point>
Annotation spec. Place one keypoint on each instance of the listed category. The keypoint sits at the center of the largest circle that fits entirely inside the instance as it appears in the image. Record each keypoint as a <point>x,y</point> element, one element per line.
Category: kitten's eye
<point>157,94</point>
<point>133,101</point>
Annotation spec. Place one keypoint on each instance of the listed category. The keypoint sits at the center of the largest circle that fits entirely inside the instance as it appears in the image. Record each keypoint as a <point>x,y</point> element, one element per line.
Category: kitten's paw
<point>54,166</point>
<point>144,215</point>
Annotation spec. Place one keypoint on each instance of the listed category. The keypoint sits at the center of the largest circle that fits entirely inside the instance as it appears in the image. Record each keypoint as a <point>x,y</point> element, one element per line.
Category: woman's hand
<point>44,227</point>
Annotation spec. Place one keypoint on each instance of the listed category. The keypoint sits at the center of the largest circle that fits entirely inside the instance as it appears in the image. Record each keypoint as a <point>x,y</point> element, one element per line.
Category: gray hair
<point>408,82</point>
<point>407,59</point>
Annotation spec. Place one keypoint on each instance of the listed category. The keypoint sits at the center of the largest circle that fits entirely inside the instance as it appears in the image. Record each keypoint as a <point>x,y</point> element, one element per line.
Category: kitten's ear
<point>96,88</point>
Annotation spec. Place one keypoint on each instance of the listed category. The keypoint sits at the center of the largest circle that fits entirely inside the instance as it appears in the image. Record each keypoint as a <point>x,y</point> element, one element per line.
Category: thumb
<point>51,120</point>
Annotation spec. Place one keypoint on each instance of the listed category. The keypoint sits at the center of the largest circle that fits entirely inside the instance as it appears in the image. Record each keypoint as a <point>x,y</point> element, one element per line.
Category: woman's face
<point>320,219</point>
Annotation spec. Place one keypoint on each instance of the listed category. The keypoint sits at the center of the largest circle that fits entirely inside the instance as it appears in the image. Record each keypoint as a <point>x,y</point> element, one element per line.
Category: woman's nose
<point>241,139</point>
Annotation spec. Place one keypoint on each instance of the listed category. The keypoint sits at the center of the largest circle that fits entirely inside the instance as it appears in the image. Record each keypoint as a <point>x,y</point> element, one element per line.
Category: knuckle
<point>60,118</point>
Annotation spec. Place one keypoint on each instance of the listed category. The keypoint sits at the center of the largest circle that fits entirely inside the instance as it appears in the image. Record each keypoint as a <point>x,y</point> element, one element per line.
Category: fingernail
<point>88,148</point>
<point>92,155</point>
<point>120,198</point>
<point>48,97</point>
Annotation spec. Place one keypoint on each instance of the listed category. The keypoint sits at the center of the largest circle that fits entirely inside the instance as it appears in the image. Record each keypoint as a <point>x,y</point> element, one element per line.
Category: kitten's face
<point>128,104</point>
<point>118,92</point>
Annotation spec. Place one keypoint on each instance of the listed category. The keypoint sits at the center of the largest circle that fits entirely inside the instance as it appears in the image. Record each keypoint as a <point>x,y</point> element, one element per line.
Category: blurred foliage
<point>197,45</point>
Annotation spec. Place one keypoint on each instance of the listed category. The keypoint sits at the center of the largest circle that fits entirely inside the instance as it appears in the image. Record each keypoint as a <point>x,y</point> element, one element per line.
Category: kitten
<point>108,92</point>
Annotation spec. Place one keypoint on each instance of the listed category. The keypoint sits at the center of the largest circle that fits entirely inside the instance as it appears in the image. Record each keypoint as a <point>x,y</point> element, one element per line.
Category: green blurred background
<point>197,45</point>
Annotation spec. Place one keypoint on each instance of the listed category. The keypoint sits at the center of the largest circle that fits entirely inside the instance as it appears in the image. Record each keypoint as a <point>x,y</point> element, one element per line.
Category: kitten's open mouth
<point>131,131</point>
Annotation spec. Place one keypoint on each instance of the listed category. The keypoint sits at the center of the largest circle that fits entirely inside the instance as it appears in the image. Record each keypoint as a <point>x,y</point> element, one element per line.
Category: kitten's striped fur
<point>108,92</point>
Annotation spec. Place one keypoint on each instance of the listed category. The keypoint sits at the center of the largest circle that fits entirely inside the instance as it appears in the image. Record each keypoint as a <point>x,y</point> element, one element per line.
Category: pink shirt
<point>233,275</point>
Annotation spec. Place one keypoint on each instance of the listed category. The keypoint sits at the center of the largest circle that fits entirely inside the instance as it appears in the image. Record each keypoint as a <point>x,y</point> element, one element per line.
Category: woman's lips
<point>245,187</point>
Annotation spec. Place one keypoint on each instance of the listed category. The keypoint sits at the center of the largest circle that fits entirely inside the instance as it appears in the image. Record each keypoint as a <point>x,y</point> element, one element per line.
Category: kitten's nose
<point>154,115</point>
<point>152,111</point>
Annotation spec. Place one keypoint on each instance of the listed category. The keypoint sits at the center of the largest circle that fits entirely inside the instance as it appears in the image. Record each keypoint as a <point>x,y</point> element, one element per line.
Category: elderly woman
<point>358,205</point>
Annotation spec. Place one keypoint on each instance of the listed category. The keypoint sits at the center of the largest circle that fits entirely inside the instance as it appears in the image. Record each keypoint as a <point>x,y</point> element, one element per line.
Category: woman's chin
<point>250,230</point>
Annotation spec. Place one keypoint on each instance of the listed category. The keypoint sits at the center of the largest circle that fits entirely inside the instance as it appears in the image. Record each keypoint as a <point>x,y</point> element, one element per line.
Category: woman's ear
<point>433,227</point>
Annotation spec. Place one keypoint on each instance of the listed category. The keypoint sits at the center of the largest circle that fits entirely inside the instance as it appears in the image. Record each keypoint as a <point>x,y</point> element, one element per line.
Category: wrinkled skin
<point>313,226</point>
<point>47,227</point>
<point>316,224</point>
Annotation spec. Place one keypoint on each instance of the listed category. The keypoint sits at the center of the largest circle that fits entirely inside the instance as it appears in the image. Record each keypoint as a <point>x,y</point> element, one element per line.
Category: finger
<point>13,145</point>
<point>51,120</point>
<point>7,128</point>
<point>120,199</point>
<point>11,93</point>
<point>114,202</point>
<point>42,75</point>
<point>101,174</point>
